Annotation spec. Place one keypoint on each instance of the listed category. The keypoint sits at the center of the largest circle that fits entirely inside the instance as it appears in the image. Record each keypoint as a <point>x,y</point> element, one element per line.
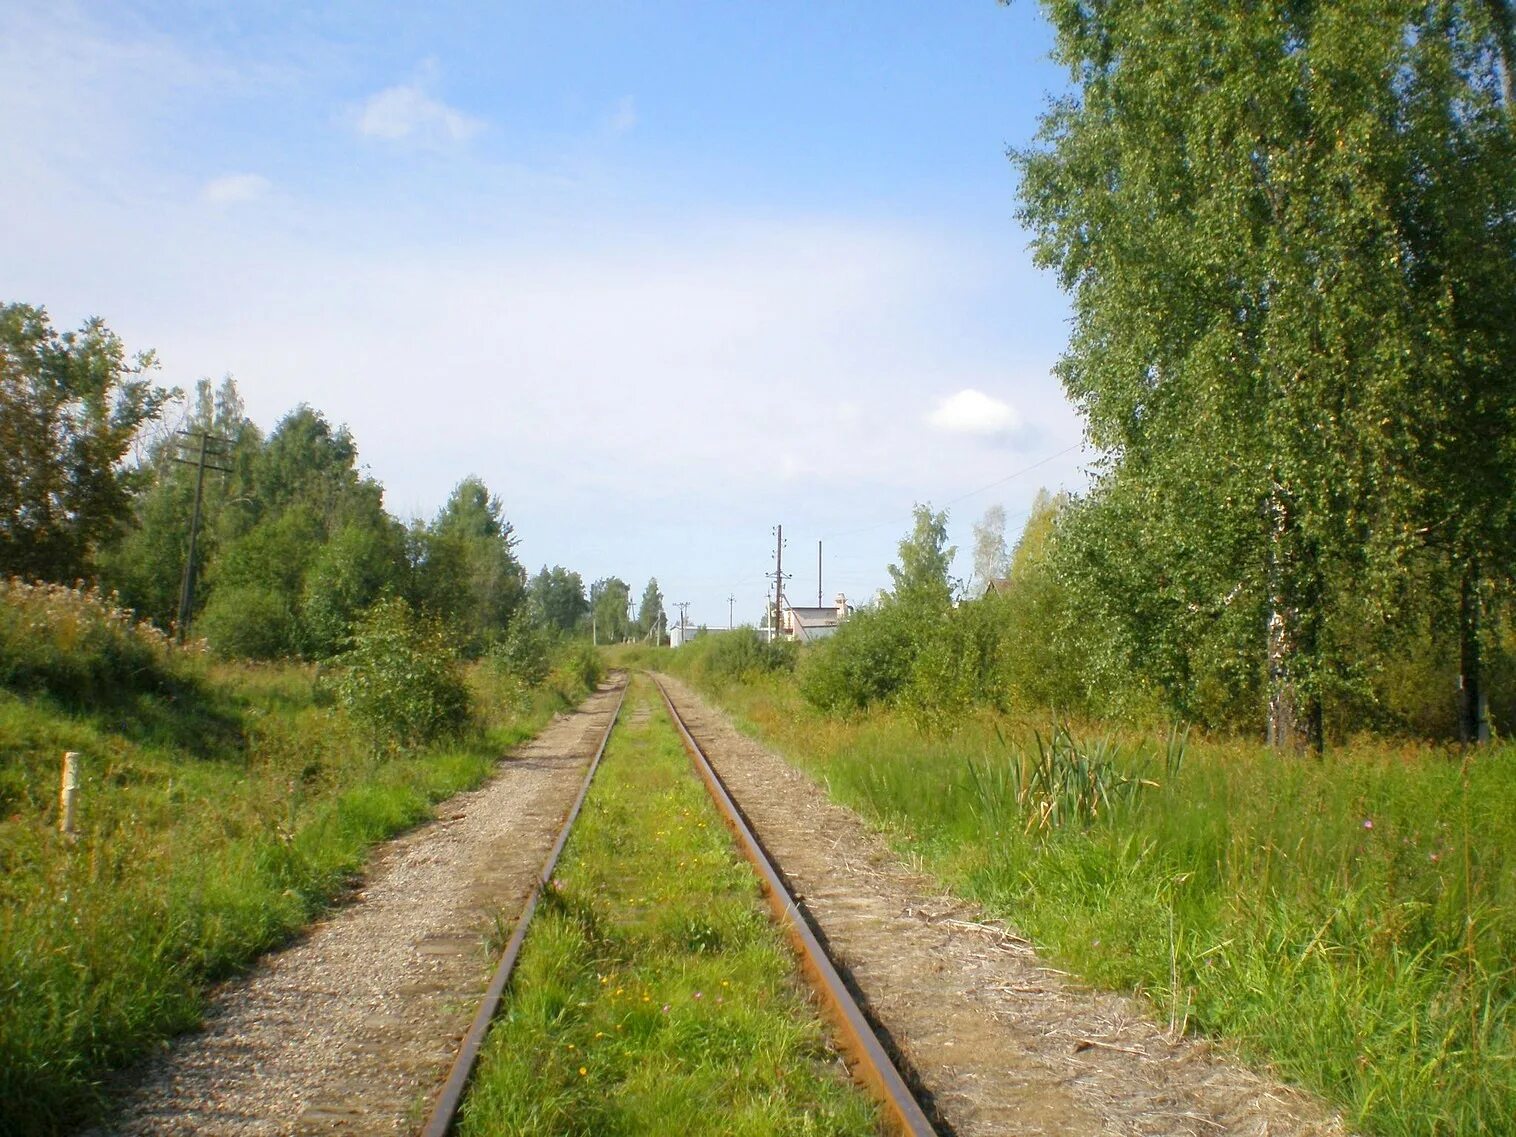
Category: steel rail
<point>450,1097</point>
<point>869,1061</point>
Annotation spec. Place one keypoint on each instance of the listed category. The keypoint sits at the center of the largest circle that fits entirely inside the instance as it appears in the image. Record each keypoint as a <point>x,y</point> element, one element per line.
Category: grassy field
<point>222,807</point>
<point>1350,921</point>
<point>653,995</point>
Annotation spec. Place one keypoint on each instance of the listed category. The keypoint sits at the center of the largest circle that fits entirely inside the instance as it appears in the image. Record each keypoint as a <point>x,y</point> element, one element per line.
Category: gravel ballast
<point>352,1028</point>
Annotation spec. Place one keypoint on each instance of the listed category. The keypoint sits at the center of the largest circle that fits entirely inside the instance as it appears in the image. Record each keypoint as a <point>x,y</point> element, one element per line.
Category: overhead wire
<point>963,497</point>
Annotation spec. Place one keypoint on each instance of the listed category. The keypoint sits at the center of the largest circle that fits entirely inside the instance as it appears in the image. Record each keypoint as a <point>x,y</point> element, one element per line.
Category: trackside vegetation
<point>653,995</point>
<point>222,806</point>
<point>1351,922</point>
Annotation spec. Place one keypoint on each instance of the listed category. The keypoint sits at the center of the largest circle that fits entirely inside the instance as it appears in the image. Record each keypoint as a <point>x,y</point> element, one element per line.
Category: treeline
<point>1289,235</point>
<point>293,544</point>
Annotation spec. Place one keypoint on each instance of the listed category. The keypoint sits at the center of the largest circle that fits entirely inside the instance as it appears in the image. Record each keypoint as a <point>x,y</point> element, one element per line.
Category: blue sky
<point>662,274</point>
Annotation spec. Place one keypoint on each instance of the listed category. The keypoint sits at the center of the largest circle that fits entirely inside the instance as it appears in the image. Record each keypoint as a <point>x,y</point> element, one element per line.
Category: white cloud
<point>407,111</point>
<point>974,412</point>
<point>230,189</point>
<point>624,117</point>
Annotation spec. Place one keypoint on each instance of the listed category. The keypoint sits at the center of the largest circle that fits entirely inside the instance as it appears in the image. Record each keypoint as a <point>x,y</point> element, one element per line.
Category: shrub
<point>402,679</point>
<point>525,653</point>
<point>962,663</point>
<point>78,645</point>
<point>248,621</point>
<point>582,666</point>
<point>728,657</point>
<point>869,660</point>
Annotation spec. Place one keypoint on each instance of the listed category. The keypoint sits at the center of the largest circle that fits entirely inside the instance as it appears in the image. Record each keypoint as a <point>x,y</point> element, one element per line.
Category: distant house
<point>806,625</point>
<point>999,587</point>
<point>681,634</point>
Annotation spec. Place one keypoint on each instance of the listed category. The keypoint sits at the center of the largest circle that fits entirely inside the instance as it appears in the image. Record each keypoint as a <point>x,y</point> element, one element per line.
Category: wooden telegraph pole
<point>201,462</point>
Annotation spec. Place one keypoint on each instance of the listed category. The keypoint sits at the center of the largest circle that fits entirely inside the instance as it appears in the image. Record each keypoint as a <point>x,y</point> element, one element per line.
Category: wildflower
<point>697,995</point>
<point>665,1008</point>
<point>582,1071</point>
<point>1368,823</point>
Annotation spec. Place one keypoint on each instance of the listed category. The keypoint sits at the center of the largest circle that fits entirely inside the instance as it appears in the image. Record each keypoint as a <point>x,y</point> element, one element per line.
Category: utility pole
<point>778,582</point>
<point>201,462</point>
<point>818,574</point>
<point>731,604</point>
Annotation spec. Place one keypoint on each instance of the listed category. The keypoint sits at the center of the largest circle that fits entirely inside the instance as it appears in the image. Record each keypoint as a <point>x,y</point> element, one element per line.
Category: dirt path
<point>352,1028</point>
<point>1000,1043</point>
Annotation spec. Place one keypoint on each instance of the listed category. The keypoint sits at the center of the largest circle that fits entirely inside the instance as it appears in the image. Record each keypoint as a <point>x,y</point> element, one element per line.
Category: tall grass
<point>222,807</point>
<point>1350,921</point>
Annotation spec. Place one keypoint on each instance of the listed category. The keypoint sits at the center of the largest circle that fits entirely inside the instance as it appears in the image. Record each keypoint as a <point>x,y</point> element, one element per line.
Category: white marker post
<point>68,794</point>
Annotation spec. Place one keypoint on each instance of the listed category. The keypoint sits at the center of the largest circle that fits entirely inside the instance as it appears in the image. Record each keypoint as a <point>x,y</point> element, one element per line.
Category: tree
<point>921,578</point>
<point>147,564</point>
<point>990,556</point>
<point>650,614</point>
<point>556,598</point>
<point>71,405</point>
<point>610,598</point>
<point>1225,201</point>
<point>466,568</point>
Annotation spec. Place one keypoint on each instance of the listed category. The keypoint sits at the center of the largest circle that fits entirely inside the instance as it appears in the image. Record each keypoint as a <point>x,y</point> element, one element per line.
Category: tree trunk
<point>1473,700</point>
<point>1295,721</point>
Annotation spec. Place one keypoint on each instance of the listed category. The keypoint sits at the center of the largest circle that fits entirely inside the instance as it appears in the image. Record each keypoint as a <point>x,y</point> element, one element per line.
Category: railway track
<point>866,1056</point>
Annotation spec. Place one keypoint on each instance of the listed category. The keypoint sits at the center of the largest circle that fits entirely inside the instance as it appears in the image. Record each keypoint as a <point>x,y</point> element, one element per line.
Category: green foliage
<point>650,613</point>
<point>609,600</point>
<point>868,660</point>
<point>556,598</point>
<point>465,569</point>
<point>736,655</point>
<point>70,406</point>
<point>147,564</point>
<point>79,647</point>
<point>249,621</point>
<point>921,579</point>
<point>401,677</point>
<point>1289,234</point>
<point>356,567</point>
<point>209,831</point>
<point>579,666</point>
<point>526,653</point>
<point>1351,921</point>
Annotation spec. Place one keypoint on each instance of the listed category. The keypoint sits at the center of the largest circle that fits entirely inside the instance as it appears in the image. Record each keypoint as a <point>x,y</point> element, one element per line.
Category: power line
<point>963,497</point>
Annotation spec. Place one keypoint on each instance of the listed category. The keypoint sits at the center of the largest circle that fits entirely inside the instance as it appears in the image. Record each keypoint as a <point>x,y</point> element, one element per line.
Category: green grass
<point>653,995</point>
<point>1350,921</point>
<point>219,813</point>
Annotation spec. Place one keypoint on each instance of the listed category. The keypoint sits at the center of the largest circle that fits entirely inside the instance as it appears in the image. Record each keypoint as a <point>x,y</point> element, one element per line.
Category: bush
<point>962,663</point>
<point>869,660</point>
<point>248,621</point>
<point>78,645</point>
<point>581,666</point>
<point>525,653</point>
<point>402,679</point>
<point>729,657</point>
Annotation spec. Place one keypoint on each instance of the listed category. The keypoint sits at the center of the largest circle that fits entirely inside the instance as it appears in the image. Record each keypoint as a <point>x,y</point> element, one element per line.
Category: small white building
<point>681,634</point>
